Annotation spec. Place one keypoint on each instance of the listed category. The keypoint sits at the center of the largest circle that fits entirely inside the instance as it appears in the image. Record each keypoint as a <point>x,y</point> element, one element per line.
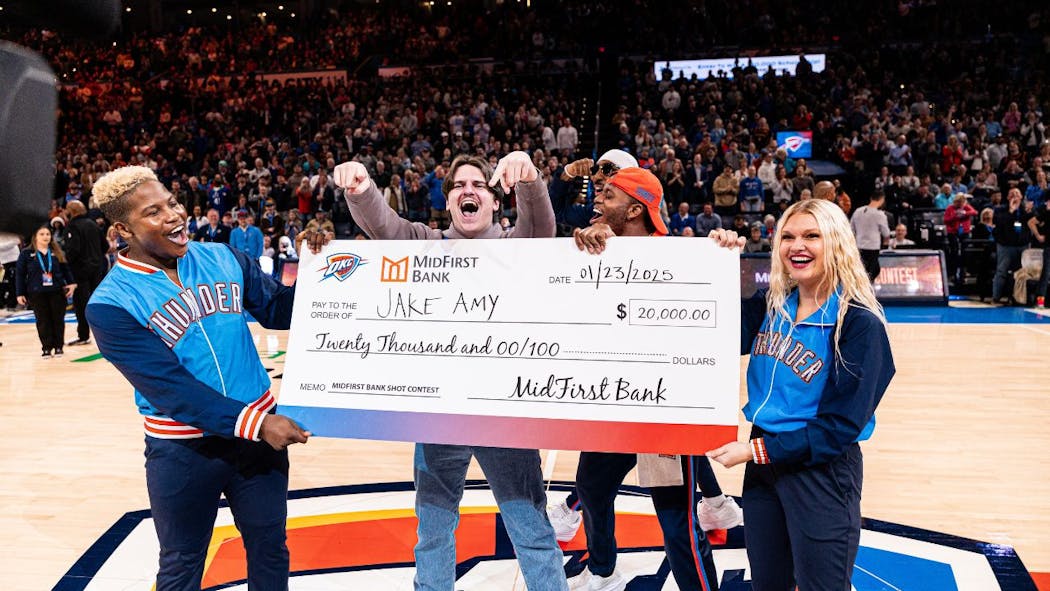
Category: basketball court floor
<point>954,495</point>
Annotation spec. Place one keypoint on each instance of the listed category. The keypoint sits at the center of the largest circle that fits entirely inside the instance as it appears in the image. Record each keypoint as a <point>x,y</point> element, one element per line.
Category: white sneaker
<point>565,521</point>
<point>729,515</point>
<point>585,581</point>
<point>613,582</point>
<point>580,582</point>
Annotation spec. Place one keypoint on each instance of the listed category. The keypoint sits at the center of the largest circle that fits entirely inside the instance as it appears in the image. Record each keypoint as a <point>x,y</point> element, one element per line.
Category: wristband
<point>758,450</point>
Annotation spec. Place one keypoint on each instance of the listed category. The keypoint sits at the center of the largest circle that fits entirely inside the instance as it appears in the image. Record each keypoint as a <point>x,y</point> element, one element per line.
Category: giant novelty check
<point>518,343</point>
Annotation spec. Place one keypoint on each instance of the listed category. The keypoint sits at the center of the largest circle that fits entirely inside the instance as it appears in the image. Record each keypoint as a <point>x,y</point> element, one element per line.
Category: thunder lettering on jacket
<point>190,305</point>
<point>793,353</point>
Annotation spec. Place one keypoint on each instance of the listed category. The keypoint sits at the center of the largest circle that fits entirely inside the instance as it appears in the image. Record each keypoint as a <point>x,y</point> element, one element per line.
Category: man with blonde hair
<point>170,316</point>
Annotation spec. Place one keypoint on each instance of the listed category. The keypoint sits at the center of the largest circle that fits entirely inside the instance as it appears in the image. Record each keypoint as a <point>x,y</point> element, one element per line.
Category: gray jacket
<point>372,212</point>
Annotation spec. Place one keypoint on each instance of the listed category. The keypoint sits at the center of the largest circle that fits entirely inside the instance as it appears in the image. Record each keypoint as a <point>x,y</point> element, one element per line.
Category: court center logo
<point>362,537</point>
<point>341,265</point>
<point>394,271</point>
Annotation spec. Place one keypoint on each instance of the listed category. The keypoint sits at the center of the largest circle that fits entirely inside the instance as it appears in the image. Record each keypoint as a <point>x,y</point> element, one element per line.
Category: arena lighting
<point>280,7</point>
<point>229,17</point>
<point>189,11</point>
<point>128,9</point>
<point>214,9</point>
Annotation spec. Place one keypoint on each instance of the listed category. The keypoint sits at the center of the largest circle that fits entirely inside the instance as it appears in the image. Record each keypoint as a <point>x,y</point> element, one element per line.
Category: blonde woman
<point>820,363</point>
<point>43,280</point>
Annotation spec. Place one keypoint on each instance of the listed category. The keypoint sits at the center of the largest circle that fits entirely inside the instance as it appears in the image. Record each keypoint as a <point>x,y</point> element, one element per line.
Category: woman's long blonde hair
<point>843,270</point>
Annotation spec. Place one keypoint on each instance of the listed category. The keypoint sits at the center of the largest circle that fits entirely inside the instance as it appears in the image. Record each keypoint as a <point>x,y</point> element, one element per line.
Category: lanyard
<point>40,259</point>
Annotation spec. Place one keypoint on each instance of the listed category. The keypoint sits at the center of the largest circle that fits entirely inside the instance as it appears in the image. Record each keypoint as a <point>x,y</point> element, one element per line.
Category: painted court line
<point>1034,329</point>
<point>876,577</point>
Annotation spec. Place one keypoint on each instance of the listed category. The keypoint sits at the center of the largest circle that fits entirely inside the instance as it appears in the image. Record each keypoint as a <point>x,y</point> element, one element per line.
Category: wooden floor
<point>960,446</point>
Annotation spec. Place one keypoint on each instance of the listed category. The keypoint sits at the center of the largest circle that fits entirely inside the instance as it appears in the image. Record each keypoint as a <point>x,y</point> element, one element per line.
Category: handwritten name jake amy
<point>408,305</point>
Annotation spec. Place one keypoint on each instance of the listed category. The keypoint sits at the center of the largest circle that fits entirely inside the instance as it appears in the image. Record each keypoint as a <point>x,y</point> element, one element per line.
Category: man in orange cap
<point>629,205</point>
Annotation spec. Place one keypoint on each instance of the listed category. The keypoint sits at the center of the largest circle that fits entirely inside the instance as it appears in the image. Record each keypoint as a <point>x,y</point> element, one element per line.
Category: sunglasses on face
<point>606,169</point>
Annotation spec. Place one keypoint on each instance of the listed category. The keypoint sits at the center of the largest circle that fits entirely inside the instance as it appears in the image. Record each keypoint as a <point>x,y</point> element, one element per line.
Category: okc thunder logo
<point>341,265</point>
<point>794,142</point>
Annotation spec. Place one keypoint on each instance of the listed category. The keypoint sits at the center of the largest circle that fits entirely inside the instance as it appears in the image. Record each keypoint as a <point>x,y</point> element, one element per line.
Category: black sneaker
<point>78,342</point>
<point>58,353</point>
<point>46,354</point>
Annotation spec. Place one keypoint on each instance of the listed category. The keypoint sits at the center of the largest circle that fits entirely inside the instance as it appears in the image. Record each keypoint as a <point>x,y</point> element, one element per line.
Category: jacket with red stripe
<point>811,402</point>
<point>186,348</point>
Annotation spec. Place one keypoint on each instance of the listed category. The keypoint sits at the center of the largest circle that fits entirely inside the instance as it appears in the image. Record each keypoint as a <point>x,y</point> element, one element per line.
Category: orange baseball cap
<point>646,188</point>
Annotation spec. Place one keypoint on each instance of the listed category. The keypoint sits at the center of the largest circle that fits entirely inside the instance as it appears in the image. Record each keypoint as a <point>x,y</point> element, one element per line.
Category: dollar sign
<point>621,311</point>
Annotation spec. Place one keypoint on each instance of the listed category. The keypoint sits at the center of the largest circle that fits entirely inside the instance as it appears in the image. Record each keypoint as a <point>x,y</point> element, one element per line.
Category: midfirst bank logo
<point>341,265</point>
<point>394,271</point>
<point>424,268</point>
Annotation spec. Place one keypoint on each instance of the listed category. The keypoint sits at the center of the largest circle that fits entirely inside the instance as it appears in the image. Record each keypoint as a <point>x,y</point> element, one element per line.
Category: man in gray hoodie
<point>474,194</point>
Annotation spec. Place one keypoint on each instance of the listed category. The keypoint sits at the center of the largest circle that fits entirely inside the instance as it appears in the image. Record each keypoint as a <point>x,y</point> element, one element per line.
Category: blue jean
<point>1007,260</point>
<point>516,481</point>
<point>751,205</point>
<point>184,478</point>
<point>802,523</point>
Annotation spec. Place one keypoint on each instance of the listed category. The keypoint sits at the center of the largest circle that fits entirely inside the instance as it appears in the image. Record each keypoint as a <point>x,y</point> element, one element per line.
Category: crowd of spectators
<point>946,149</point>
<point>924,114</point>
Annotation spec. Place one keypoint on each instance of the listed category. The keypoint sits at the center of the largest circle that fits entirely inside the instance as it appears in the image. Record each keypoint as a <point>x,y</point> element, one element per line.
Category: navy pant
<point>802,524</point>
<point>85,287</point>
<point>705,477</point>
<point>49,310</point>
<point>598,479</point>
<point>185,477</point>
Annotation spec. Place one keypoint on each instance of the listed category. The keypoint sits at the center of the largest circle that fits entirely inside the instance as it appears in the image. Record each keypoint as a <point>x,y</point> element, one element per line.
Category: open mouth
<point>179,235</point>
<point>470,207</point>
<point>598,213</point>
<point>800,261</point>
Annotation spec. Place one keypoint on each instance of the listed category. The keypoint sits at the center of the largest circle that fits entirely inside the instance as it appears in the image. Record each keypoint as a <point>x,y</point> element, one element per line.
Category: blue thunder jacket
<point>186,348</point>
<point>810,403</point>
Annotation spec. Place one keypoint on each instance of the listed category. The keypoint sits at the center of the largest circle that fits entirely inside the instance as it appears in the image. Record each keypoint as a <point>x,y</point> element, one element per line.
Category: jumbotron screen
<point>797,144</point>
<point>781,64</point>
<point>907,277</point>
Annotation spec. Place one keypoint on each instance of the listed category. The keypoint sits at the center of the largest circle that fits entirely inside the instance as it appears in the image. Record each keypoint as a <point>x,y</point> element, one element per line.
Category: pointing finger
<point>513,174</point>
<point>498,173</point>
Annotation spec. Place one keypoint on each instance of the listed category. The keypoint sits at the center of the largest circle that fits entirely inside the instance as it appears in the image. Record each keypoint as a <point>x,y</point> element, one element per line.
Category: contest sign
<point>518,343</point>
